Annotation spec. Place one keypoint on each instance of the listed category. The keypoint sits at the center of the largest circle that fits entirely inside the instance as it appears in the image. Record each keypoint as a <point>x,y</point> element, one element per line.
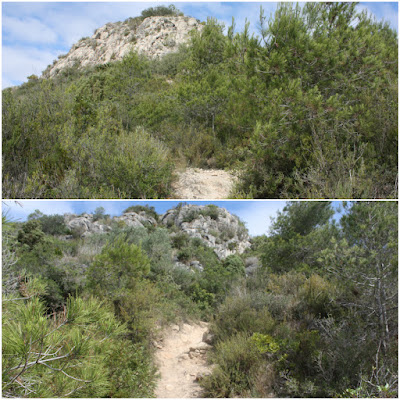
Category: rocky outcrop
<point>84,225</point>
<point>136,219</point>
<point>215,226</point>
<point>153,37</point>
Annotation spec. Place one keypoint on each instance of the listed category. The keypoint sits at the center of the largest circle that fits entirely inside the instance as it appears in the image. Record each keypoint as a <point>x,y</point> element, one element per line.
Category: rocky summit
<point>153,37</point>
<point>215,226</point>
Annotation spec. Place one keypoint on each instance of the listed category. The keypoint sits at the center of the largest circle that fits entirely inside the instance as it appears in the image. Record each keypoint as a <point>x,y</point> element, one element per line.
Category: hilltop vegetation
<point>307,109</point>
<point>317,318</point>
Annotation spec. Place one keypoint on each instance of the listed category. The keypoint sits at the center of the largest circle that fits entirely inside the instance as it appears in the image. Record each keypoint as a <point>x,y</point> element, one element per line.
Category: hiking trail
<point>197,183</point>
<point>181,359</point>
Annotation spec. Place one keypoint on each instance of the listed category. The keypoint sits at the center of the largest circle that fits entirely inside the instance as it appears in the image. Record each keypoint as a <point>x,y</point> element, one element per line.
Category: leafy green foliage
<point>76,368</point>
<point>118,266</point>
<point>234,264</point>
<point>236,359</point>
<point>318,319</point>
<point>99,213</point>
<point>323,325</point>
<point>264,343</point>
<point>161,11</point>
<point>308,109</point>
<point>296,235</point>
<point>31,234</point>
<point>50,224</point>
<point>290,149</point>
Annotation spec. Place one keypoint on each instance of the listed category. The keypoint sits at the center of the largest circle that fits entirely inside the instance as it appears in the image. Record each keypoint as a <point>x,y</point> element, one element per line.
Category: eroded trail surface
<point>197,183</point>
<point>181,359</point>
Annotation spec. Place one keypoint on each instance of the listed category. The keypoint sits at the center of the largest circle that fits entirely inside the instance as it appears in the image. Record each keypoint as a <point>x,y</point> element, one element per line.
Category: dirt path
<point>196,183</point>
<point>181,358</point>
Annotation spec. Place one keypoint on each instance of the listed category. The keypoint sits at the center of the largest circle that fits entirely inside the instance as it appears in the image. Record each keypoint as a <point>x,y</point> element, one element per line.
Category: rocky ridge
<point>214,226</point>
<point>153,37</point>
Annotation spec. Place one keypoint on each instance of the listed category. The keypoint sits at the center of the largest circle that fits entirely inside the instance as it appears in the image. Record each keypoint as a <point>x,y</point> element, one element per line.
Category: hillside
<point>306,109</point>
<point>153,37</point>
<point>95,306</point>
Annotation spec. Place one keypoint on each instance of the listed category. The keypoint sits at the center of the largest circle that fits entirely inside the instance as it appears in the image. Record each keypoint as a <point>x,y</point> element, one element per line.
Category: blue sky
<point>35,33</point>
<point>255,213</point>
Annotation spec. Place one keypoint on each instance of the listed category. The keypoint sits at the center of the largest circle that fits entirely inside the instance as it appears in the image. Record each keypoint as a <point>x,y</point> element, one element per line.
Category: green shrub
<point>234,264</point>
<point>233,316</point>
<point>237,361</point>
<point>132,165</point>
<point>161,11</point>
<point>232,246</point>
<point>264,343</point>
<point>30,233</point>
<point>180,240</point>
<point>211,211</point>
<point>117,267</point>
<point>150,210</point>
<point>191,215</point>
<point>319,296</point>
<point>228,232</point>
<point>204,299</point>
<point>99,213</point>
<point>50,224</point>
<point>169,65</point>
<point>81,335</point>
<point>184,254</point>
<point>130,371</point>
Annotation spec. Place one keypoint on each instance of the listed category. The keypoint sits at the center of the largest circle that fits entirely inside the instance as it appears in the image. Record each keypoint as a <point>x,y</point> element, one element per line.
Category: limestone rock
<point>208,338</point>
<point>136,219</point>
<point>84,224</point>
<point>214,226</point>
<point>252,264</point>
<point>153,37</point>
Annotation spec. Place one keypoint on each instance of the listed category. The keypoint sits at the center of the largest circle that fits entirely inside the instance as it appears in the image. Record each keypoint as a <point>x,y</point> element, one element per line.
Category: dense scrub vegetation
<point>80,315</point>
<point>317,319</point>
<point>306,109</point>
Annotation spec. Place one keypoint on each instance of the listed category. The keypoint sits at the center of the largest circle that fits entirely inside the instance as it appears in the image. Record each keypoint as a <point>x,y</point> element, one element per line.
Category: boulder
<point>252,264</point>
<point>83,225</point>
<point>136,219</point>
<point>208,337</point>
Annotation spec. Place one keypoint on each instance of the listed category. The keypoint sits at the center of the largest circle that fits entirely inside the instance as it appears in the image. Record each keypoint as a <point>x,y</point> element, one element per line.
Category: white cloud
<point>83,18</point>
<point>20,62</point>
<point>29,30</point>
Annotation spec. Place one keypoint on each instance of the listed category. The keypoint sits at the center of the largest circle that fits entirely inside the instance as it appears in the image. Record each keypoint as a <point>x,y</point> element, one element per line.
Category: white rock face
<point>154,37</point>
<point>84,224</point>
<point>139,219</point>
<point>222,231</point>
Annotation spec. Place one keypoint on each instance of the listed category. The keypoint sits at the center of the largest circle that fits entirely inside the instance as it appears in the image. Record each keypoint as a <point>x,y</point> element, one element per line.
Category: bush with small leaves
<point>117,267</point>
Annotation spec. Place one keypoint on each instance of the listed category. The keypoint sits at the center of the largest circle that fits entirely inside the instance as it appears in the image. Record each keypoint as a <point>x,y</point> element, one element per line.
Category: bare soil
<point>197,183</point>
<point>181,359</point>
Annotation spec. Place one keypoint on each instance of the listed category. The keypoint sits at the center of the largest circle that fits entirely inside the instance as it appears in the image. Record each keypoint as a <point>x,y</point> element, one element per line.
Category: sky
<point>256,214</point>
<point>36,33</point>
